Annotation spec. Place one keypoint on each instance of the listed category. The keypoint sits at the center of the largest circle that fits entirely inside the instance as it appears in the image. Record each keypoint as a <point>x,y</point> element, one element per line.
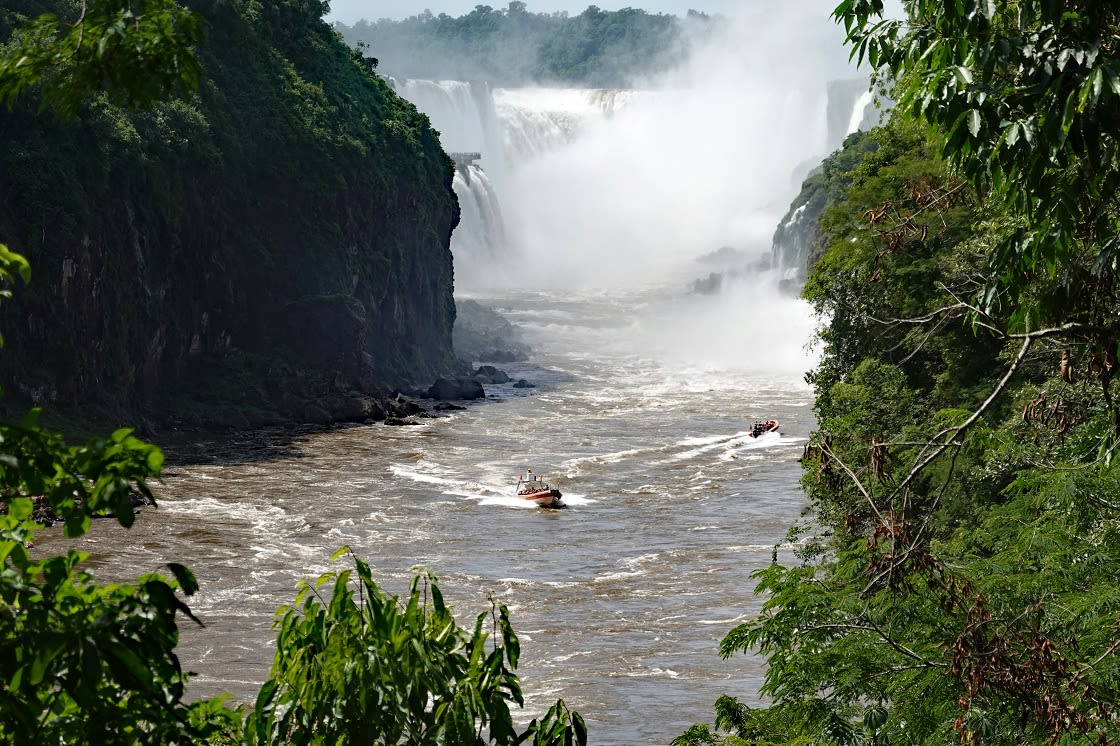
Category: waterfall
<point>480,239</point>
<point>851,102</point>
<point>462,112</point>
<point>791,244</point>
<point>490,133</point>
<point>538,121</point>
<point>580,170</point>
<point>864,115</point>
<point>614,189</point>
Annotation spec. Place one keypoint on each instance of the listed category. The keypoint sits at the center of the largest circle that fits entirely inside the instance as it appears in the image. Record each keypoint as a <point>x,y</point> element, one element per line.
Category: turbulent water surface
<point>620,599</point>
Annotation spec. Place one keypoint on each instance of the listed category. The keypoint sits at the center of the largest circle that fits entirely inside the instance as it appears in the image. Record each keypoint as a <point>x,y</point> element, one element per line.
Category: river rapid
<point>620,600</point>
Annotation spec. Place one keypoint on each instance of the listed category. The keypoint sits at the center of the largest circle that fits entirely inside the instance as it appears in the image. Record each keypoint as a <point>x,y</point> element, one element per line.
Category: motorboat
<point>761,433</point>
<point>764,427</point>
<point>534,488</point>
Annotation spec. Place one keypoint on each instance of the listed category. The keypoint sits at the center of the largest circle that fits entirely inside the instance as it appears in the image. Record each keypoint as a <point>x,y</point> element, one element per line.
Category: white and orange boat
<point>533,488</point>
<point>764,427</point>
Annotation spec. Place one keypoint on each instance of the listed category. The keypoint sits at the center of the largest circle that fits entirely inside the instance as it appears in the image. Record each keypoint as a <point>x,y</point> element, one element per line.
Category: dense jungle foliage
<point>88,663</point>
<point>514,47</point>
<point>956,576</point>
<point>173,243</point>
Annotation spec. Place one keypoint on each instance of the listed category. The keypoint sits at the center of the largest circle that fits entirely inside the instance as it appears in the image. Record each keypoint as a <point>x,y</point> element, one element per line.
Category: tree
<point>1027,96</point>
<point>955,581</point>
<point>371,670</point>
<point>83,662</point>
<point>138,52</point>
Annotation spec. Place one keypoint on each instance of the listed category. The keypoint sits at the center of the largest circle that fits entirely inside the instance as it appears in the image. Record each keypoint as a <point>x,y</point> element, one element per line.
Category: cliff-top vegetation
<point>515,47</point>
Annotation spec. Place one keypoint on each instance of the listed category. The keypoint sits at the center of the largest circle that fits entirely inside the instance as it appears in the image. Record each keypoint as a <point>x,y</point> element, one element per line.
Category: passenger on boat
<point>759,427</point>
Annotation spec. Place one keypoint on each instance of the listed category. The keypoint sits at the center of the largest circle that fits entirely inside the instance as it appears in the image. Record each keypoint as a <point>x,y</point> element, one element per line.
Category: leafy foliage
<point>955,587</point>
<point>1027,95</point>
<point>203,238</point>
<point>83,662</point>
<point>139,52</point>
<point>368,670</point>
<point>596,48</point>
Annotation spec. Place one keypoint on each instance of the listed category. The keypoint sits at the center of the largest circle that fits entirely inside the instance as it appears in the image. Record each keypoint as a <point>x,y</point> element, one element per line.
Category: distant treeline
<point>597,48</point>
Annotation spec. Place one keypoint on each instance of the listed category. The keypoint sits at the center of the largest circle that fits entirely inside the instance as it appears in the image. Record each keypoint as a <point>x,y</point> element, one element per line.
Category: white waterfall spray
<point>622,190</point>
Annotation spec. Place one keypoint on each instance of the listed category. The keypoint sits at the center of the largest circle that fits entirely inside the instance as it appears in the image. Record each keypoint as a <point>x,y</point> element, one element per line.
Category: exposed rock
<point>206,273</point>
<point>710,285</point>
<point>523,384</point>
<point>348,408</point>
<point>402,406</point>
<point>316,415</point>
<point>480,333</point>
<point>459,388</point>
<point>490,374</point>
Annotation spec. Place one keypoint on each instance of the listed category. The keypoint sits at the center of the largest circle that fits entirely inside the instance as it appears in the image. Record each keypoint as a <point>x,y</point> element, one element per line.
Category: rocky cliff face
<point>282,237</point>
<point>799,242</point>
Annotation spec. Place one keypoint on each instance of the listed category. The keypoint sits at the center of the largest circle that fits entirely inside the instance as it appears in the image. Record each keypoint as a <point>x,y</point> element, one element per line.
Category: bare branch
<point>954,432</point>
<point>825,448</point>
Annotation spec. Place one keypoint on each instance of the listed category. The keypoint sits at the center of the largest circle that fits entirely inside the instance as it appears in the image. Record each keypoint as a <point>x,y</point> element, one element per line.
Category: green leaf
<point>44,655</point>
<point>1068,113</point>
<point>875,717</point>
<point>13,264</point>
<point>185,578</point>
<point>20,508</point>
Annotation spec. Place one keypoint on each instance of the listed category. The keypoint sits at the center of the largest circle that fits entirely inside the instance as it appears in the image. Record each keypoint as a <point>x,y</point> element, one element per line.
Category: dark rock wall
<point>285,231</point>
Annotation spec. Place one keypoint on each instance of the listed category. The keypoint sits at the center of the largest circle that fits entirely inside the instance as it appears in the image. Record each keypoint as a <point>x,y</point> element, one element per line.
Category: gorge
<point>611,204</point>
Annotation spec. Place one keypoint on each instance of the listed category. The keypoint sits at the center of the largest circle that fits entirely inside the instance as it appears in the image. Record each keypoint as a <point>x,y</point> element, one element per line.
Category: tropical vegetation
<point>172,249</point>
<point>515,47</point>
<point>955,577</point>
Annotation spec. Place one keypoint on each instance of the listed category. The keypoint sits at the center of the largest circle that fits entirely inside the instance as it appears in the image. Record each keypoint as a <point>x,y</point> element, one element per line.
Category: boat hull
<point>543,498</point>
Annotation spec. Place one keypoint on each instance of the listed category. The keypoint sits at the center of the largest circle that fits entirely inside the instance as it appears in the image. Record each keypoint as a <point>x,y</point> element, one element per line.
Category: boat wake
<point>744,441</point>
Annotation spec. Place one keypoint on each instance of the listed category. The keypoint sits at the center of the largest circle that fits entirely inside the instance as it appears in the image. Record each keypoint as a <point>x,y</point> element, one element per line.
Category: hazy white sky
<point>349,11</point>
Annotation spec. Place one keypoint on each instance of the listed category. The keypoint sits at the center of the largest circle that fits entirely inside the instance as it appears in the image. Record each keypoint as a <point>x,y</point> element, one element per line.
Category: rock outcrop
<point>241,257</point>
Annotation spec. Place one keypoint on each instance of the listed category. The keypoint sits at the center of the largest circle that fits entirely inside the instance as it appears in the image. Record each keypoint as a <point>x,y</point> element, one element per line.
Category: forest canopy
<point>595,49</point>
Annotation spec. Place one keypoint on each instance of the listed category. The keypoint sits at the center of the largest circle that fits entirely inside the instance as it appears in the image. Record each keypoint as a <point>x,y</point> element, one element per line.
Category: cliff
<point>800,240</point>
<point>230,259</point>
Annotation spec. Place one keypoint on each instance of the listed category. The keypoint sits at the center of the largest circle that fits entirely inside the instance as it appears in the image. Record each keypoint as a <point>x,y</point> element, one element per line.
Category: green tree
<point>954,583</point>
<point>83,662</point>
<point>371,670</point>
<point>1027,98</point>
<point>137,51</point>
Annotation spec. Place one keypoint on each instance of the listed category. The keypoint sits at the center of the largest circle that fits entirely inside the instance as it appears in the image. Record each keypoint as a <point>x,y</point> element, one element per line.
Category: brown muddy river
<point>620,599</point>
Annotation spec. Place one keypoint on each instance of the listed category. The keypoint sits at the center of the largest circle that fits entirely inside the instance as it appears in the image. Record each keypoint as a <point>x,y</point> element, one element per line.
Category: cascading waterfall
<point>619,190</point>
<point>539,121</point>
<point>864,115</point>
<point>489,133</point>
<point>791,245</point>
<point>480,238</point>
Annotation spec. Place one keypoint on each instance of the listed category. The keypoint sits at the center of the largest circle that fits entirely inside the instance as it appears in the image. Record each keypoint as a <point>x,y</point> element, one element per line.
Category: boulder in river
<point>445,389</point>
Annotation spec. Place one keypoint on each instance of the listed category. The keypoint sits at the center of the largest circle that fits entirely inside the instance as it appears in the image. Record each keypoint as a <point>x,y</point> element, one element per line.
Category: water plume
<point>702,158</point>
<point>617,191</point>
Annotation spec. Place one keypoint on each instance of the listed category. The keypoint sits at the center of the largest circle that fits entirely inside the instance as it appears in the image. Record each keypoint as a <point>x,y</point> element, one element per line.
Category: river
<point>620,600</point>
